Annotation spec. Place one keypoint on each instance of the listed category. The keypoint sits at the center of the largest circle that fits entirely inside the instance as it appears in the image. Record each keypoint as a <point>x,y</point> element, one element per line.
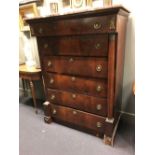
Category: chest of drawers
<point>81,58</point>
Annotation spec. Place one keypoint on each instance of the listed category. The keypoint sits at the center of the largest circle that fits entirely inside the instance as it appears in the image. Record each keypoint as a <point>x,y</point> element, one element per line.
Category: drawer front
<point>89,25</point>
<point>78,101</point>
<point>90,45</point>
<point>77,117</point>
<point>89,67</point>
<point>76,84</point>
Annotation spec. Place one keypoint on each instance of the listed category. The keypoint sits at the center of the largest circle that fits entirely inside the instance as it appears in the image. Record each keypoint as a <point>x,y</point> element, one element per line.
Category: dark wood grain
<point>78,101</point>
<point>89,45</point>
<point>79,85</point>
<point>76,66</point>
<point>74,26</point>
<point>81,118</point>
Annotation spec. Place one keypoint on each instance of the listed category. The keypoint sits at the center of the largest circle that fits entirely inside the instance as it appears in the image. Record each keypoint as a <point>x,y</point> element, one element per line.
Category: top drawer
<point>89,25</point>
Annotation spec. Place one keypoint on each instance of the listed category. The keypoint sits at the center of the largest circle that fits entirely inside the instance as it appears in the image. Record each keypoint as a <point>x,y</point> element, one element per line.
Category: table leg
<point>23,84</point>
<point>33,95</point>
<point>43,82</point>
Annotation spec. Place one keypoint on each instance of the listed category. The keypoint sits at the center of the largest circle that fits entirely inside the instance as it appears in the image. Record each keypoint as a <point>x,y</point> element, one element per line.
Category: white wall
<point>128,99</point>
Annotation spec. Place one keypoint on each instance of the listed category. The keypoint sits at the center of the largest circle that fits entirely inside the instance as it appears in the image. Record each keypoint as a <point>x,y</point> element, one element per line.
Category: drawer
<point>89,67</point>
<point>90,45</point>
<point>77,117</point>
<point>78,101</point>
<point>88,25</point>
<point>95,87</point>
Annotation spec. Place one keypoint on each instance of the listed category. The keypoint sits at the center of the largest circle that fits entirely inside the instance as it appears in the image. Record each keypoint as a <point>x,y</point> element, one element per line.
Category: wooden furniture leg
<point>23,84</point>
<point>33,95</point>
<point>47,112</point>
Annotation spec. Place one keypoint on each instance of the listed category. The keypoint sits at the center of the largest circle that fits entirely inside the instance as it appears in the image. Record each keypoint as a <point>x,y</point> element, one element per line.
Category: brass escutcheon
<point>97,26</point>
<point>97,46</point>
<point>98,124</point>
<point>74,112</point>
<point>51,80</point>
<point>54,111</point>
<point>71,60</point>
<point>98,88</point>
<point>49,63</point>
<point>99,107</point>
<point>73,78</point>
<point>98,68</point>
<point>52,97</point>
<point>73,96</point>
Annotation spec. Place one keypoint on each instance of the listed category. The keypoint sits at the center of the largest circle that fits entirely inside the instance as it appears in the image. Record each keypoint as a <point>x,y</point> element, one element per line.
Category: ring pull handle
<point>98,88</point>
<point>54,111</point>
<point>51,80</point>
<point>71,60</point>
<point>97,46</point>
<point>99,107</point>
<point>49,63</point>
<point>98,68</point>
<point>73,96</point>
<point>73,78</point>
<point>52,97</point>
<point>74,112</point>
<point>98,124</point>
<point>97,26</point>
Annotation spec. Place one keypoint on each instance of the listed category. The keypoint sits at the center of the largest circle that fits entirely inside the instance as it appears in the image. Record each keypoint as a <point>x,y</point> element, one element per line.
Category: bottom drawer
<point>79,118</point>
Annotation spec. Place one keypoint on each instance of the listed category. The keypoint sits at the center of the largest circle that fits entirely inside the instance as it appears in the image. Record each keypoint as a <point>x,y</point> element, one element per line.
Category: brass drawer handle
<point>40,30</point>
<point>71,60</point>
<point>97,26</point>
<point>74,112</point>
<point>73,96</point>
<point>97,46</point>
<point>49,63</point>
<point>98,88</point>
<point>98,68</point>
<point>98,124</point>
<point>51,80</point>
<point>45,45</point>
<point>52,97</point>
<point>99,107</point>
<point>54,111</point>
<point>73,78</point>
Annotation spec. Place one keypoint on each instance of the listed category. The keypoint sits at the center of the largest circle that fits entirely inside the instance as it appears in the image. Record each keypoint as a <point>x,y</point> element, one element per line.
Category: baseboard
<point>128,118</point>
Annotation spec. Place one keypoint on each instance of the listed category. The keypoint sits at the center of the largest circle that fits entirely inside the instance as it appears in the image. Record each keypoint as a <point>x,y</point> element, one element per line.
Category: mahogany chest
<point>81,57</point>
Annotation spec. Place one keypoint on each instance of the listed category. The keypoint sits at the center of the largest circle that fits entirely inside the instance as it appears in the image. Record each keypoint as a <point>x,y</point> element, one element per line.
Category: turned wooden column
<point>31,74</point>
<point>33,95</point>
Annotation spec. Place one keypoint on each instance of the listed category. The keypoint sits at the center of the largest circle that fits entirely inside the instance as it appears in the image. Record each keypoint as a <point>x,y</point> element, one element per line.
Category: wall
<point>128,98</point>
